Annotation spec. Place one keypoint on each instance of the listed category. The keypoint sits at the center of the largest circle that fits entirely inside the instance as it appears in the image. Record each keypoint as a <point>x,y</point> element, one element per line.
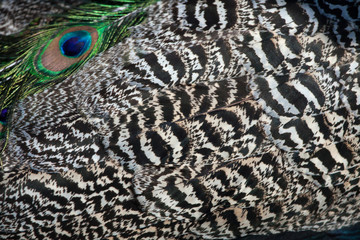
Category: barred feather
<point>220,119</point>
<point>21,72</point>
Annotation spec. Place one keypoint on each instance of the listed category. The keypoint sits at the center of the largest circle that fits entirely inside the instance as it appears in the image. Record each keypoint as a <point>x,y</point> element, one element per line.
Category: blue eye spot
<point>3,115</point>
<point>74,44</point>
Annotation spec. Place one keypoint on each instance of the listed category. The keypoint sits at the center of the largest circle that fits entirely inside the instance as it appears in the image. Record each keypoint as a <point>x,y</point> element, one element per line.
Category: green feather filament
<point>26,60</point>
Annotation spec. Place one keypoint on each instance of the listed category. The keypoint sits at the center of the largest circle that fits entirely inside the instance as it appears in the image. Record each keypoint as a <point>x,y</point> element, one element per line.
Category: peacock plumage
<point>197,119</point>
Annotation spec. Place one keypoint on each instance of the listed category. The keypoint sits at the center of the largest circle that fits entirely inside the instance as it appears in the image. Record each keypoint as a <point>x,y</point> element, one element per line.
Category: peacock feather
<point>211,119</point>
<point>41,56</point>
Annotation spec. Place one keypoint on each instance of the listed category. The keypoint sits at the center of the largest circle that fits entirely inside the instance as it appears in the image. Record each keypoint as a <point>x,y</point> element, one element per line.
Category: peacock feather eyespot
<point>67,49</point>
<point>3,120</point>
<point>74,44</point>
<point>3,114</point>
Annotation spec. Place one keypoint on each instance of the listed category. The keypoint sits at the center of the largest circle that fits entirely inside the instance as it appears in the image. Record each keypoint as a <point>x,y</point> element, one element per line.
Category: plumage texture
<point>213,119</point>
<point>40,57</point>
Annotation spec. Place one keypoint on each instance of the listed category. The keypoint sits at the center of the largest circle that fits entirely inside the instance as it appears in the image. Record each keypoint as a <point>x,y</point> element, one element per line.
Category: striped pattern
<point>214,120</point>
<point>344,18</point>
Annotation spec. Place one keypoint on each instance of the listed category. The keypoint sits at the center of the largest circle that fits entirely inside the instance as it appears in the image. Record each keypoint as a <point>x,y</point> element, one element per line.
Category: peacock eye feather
<point>66,50</point>
<point>40,57</point>
<point>75,44</point>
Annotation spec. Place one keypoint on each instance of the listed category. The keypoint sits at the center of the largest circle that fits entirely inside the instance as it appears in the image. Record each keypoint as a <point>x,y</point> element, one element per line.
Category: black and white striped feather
<point>213,120</point>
